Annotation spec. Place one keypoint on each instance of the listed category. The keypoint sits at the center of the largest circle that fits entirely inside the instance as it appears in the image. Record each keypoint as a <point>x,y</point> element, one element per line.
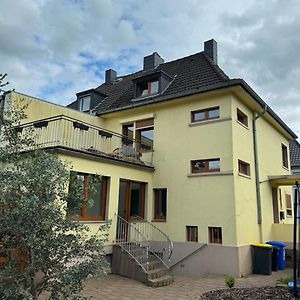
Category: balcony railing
<point>66,132</point>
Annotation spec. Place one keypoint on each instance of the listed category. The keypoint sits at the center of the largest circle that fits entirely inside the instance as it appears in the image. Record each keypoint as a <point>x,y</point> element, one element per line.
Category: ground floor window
<point>160,204</point>
<point>192,233</point>
<point>94,189</point>
<point>215,235</point>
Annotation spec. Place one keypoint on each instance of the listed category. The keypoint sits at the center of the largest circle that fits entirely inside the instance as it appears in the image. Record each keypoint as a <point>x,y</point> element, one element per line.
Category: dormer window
<point>147,88</point>
<point>85,103</point>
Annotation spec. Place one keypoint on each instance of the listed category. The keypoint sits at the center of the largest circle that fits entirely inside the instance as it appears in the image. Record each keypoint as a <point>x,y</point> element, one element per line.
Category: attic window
<point>147,88</point>
<point>85,103</point>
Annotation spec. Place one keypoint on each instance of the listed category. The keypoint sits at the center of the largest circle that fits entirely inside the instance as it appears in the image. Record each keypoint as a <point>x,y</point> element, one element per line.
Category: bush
<point>229,281</point>
<point>285,280</point>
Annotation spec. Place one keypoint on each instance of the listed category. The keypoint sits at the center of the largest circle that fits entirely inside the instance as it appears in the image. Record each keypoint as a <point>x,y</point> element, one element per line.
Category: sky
<point>53,49</point>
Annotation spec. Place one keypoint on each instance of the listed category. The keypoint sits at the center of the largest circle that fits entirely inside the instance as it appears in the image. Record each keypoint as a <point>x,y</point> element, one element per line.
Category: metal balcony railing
<point>66,132</point>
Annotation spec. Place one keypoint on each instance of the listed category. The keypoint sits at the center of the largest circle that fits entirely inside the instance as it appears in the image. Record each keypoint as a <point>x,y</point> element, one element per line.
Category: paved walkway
<point>117,287</point>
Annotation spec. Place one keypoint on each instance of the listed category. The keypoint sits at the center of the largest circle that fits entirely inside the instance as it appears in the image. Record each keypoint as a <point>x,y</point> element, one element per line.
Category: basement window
<point>244,168</point>
<point>192,233</point>
<point>206,165</point>
<point>215,235</point>
<point>242,118</point>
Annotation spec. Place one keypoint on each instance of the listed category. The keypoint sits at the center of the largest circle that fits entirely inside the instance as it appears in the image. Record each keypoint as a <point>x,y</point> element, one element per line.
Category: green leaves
<point>33,202</point>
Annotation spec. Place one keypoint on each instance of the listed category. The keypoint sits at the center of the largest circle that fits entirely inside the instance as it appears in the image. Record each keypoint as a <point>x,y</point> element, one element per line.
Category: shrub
<point>229,281</point>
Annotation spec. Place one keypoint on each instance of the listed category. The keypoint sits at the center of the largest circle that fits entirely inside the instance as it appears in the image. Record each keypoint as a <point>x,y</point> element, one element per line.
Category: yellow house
<point>190,163</point>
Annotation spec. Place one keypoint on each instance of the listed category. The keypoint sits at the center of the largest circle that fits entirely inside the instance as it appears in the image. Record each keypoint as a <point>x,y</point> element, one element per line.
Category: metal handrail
<point>163,235</point>
<point>140,239</point>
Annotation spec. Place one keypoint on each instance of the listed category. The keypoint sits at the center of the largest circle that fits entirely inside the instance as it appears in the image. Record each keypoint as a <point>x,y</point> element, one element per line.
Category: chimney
<point>152,61</point>
<point>110,75</point>
<point>211,49</point>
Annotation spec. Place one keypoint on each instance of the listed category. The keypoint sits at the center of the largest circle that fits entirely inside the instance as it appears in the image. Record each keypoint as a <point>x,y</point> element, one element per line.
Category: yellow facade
<point>227,199</point>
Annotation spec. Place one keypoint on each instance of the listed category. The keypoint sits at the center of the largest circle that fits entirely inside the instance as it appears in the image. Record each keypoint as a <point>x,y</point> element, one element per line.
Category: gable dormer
<point>151,84</point>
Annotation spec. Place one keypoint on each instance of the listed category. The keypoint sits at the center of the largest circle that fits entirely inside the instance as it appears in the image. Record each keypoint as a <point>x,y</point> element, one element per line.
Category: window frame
<point>190,235</point>
<point>288,205</point>
<point>247,172</point>
<point>81,102</point>
<point>242,118</point>
<point>211,238</point>
<point>139,90</point>
<point>284,155</point>
<point>206,114</point>
<point>156,216</point>
<point>104,198</point>
<point>206,166</point>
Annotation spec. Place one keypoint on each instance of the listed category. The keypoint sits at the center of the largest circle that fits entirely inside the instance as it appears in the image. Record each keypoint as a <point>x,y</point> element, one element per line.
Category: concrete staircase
<point>151,272</point>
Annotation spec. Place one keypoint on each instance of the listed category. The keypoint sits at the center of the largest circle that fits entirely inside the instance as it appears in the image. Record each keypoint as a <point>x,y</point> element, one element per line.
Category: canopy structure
<point>282,180</point>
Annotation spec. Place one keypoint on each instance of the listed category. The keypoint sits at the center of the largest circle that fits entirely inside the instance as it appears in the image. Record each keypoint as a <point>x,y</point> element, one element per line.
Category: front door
<point>131,205</point>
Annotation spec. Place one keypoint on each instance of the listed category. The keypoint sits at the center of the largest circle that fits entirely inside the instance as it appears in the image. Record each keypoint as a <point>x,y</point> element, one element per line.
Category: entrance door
<point>131,205</point>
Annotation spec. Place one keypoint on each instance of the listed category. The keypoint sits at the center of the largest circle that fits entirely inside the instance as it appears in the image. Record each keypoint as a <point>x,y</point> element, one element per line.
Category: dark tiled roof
<point>188,73</point>
<point>295,153</point>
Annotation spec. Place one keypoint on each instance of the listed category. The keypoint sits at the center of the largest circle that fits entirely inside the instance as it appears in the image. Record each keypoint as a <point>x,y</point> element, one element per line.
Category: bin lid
<point>277,244</point>
<point>261,245</point>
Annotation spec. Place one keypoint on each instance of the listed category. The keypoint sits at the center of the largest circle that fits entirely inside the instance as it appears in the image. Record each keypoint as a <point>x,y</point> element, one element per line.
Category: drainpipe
<point>257,181</point>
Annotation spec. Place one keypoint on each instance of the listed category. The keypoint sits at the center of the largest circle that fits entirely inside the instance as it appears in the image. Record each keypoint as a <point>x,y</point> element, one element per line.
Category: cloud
<point>55,48</point>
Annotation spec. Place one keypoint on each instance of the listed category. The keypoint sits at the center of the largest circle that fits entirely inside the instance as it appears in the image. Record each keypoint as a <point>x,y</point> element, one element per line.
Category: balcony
<point>70,134</point>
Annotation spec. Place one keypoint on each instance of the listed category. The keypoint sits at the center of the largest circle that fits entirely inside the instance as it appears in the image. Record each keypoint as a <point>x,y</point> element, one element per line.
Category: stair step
<point>154,264</point>
<point>157,273</point>
<point>162,281</point>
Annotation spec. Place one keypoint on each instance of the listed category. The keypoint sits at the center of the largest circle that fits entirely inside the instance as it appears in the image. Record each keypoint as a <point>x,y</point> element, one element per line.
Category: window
<point>288,202</point>
<point>203,166</point>
<point>127,131</point>
<point>147,88</point>
<point>215,235</point>
<point>205,114</point>
<point>160,204</point>
<point>94,190</point>
<point>144,134</point>
<point>242,118</point>
<point>244,168</point>
<point>85,103</point>
<point>192,233</point>
<point>285,161</point>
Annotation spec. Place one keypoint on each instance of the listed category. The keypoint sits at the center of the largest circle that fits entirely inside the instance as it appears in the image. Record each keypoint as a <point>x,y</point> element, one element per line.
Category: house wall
<point>201,201</point>
<point>115,173</point>
<point>40,109</point>
<point>269,142</point>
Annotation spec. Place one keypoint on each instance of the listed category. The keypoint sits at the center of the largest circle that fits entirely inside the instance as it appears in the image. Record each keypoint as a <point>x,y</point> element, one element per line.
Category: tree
<point>41,249</point>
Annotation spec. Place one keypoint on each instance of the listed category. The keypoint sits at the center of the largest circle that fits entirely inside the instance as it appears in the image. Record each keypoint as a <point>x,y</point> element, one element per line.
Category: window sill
<point>244,175</point>
<point>242,124</point>
<point>159,220</point>
<point>205,122</point>
<point>210,174</point>
<point>94,221</point>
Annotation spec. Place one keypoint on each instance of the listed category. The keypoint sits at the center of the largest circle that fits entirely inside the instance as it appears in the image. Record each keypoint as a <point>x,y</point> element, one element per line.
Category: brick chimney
<point>211,49</point>
<point>152,61</point>
<point>110,75</point>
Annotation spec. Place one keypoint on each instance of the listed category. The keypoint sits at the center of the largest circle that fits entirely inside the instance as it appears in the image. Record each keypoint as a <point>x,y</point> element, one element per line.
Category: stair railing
<point>140,239</point>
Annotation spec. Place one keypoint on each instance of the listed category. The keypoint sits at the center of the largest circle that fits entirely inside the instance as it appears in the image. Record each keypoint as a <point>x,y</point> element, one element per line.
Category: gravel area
<point>265,293</point>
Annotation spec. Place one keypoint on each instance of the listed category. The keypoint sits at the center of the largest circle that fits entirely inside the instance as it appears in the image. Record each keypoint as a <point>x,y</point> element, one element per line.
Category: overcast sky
<point>53,49</point>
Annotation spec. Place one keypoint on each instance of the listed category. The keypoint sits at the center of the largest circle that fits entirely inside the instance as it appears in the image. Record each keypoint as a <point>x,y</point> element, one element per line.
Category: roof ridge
<point>219,72</point>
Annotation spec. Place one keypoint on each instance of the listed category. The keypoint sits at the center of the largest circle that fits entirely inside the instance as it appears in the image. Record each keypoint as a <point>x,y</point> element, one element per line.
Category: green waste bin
<point>262,259</point>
